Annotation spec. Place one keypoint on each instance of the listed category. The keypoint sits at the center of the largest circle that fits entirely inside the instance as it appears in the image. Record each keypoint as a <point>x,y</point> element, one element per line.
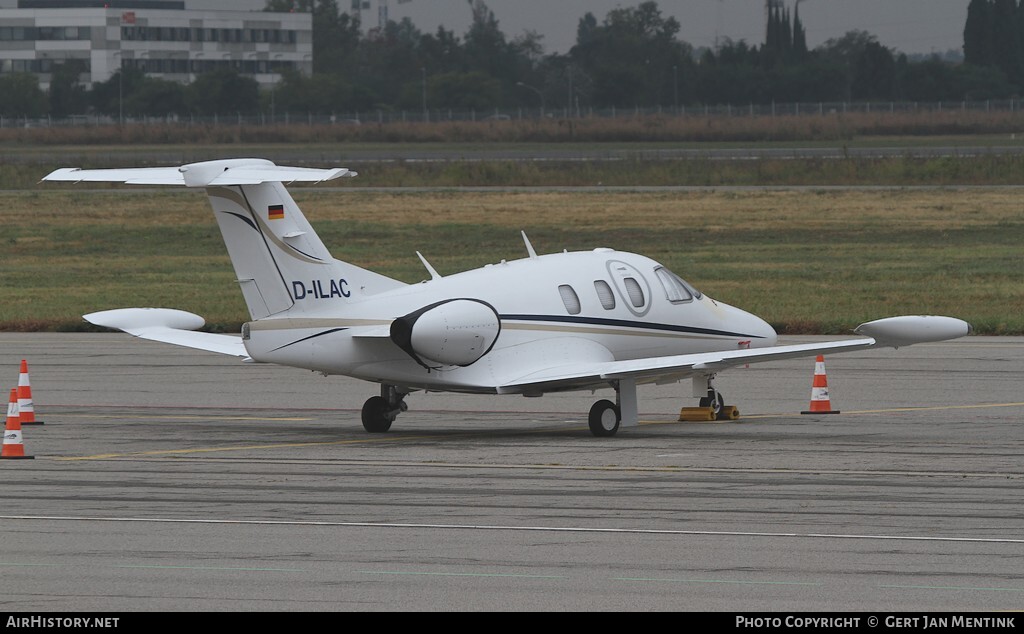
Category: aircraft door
<point>632,287</point>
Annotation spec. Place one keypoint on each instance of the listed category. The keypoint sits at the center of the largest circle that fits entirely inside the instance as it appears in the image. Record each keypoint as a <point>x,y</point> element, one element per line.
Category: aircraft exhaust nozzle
<point>453,332</point>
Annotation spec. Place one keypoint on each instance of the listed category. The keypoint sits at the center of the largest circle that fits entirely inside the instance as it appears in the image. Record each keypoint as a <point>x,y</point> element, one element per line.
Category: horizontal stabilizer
<point>204,174</point>
<point>168,325</point>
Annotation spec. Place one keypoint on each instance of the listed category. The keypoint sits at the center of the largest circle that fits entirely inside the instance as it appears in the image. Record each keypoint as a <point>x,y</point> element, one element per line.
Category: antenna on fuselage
<point>434,275</point>
<point>529,247</point>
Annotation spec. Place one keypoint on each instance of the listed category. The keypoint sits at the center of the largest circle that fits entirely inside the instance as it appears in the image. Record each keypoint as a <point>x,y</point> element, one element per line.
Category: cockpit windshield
<point>676,288</point>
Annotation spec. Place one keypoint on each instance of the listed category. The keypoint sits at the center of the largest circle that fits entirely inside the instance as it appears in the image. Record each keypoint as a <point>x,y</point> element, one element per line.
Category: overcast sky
<point>910,26</point>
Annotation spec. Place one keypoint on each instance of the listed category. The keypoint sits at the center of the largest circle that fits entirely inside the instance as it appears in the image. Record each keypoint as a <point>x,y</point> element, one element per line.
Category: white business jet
<point>545,323</point>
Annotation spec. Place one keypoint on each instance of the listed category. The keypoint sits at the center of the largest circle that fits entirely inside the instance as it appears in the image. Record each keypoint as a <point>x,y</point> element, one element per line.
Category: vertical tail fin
<point>281,263</point>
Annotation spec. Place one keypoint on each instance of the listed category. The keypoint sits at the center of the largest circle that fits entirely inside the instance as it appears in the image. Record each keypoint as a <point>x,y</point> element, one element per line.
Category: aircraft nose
<point>762,332</point>
<point>747,325</point>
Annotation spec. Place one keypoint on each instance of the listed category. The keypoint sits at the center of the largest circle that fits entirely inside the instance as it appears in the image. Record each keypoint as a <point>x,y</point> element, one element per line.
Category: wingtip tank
<point>910,329</point>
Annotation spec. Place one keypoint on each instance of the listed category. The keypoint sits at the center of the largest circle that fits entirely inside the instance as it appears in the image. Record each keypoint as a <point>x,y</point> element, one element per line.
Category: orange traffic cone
<point>25,406</point>
<point>820,403</point>
<point>13,447</point>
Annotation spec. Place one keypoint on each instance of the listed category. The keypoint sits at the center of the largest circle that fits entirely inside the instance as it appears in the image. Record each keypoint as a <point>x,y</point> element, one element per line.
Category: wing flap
<point>209,342</point>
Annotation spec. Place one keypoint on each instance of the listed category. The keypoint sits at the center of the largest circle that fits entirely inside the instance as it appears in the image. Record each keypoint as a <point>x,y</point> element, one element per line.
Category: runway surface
<point>359,154</point>
<point>167,479</point>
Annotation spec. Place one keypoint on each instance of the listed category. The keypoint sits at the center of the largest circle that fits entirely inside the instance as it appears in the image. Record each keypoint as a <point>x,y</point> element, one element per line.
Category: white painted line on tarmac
<point>484,527</point>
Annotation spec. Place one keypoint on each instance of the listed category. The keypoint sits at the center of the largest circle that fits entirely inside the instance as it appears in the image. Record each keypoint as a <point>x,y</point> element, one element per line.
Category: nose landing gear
<point>712,405</point>
<point>714,400</point>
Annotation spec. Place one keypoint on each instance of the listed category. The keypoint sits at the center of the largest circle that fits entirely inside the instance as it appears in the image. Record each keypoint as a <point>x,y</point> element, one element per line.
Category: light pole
<point>120,88</point>
<point>276,69</point>
<point>423,70</point>
<point>675,87</point>
<point>196,64</point>
<point>570,92</point>
<point>539,94</point>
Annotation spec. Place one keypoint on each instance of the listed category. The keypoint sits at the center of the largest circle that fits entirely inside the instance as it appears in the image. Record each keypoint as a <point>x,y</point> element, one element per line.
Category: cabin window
<point>570,299</point>
<point>636,294</point>
<point>604,293</point>
<point>675,289</point>
<point>631,287</point>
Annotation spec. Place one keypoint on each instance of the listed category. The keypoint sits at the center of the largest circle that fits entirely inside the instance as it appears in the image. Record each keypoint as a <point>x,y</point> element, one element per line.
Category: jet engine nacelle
<point>452,332</point>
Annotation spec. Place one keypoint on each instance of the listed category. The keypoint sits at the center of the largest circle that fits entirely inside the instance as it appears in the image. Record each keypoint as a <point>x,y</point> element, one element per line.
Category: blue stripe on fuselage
<point>625,323</point>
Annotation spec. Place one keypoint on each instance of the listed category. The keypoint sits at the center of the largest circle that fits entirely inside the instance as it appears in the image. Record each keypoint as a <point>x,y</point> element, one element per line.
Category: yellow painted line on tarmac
<point>935,408</point>
<point>890,410</point>
<point>177,452</point>
<point>202,450</point>
<point>173,452</point>
<point>187,417</point>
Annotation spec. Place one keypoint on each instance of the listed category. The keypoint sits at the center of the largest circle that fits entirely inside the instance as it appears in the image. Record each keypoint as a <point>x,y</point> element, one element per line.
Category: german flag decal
<point>275,212</point>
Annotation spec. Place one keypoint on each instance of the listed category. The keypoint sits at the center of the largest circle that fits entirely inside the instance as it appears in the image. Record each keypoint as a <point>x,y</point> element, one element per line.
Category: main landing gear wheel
<point>604,418</point>
<point>380,411</point>
<point>377,416</point>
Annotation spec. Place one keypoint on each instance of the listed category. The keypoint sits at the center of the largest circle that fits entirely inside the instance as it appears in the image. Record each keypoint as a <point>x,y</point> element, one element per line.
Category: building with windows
<point>165,39</point>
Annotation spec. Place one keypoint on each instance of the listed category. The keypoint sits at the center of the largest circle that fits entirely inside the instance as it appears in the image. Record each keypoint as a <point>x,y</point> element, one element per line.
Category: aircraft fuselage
<point>485,327</point>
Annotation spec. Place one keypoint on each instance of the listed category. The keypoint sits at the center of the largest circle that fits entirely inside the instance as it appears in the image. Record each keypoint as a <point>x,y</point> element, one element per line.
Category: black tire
<point>716,402</point>
<point>604,419</point>
<point>375,415</point>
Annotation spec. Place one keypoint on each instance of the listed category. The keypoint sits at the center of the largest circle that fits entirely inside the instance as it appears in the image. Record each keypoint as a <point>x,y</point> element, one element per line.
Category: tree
<point>1006,40</point>
<point>487,51</point>
<point>633,56</point>
<point>386,60</point>
<point>846,53</point>
<point>67,94</point>
<point>442,51</point>
<point>109,96</point>
<point>978,33</point>
<point>20,96</point>
<point>336,35</point>
<point>799,36</point>
<point>874,73</point>
<point>222,92</point>
<point>156,98</point>
<point>778,41</point>
<point>461,91</point>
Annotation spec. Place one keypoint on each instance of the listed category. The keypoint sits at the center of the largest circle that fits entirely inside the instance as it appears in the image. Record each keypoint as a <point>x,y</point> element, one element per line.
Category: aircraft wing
<point>672,368</point>
<point>168,326</point>
<point>891,332</point>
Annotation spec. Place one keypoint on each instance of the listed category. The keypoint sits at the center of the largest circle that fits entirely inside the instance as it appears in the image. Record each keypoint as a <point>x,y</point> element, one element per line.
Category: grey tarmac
<point>168,479</point>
